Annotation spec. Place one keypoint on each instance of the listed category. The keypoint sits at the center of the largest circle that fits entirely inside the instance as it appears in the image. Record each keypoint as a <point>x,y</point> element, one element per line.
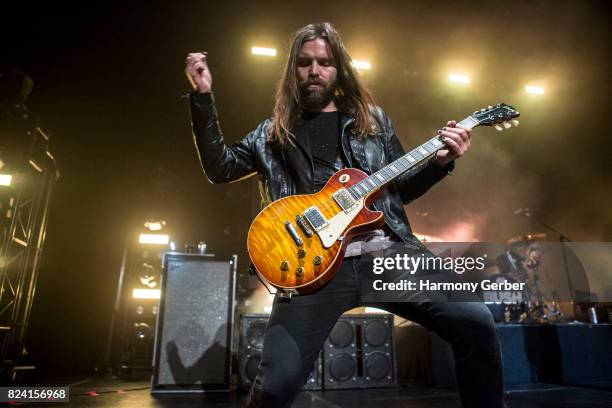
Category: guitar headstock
<point>497,116</point>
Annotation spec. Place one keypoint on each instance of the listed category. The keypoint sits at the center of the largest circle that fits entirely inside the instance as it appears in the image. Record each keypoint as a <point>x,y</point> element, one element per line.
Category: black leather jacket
<point>286,169</point>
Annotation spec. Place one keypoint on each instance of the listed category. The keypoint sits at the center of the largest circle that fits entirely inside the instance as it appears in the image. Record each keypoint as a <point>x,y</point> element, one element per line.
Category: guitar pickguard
<point>337,224</point>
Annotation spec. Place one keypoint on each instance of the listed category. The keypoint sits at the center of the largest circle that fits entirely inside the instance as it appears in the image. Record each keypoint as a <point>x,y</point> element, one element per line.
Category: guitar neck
<point>403,164</point>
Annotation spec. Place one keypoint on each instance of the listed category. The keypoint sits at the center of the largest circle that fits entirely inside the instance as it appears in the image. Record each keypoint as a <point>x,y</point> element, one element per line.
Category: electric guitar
<point>297,243</point>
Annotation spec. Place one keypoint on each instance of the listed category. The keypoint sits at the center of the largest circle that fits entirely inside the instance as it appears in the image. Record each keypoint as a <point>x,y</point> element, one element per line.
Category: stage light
<point>362,65</point>
<point>375,310</point>
<point>6,179</point>
<point>460,78</point>
<point>154,239</point>
<point>534,90</point>
<point>156,225</point>
<point>268,52</point>
<point>146,293</point>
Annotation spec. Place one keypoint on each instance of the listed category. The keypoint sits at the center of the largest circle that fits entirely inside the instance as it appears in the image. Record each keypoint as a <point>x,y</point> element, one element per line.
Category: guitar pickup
<point>345,200</point>
<point>294,234</point>
<point>301,222</point>
<point>315,218</point>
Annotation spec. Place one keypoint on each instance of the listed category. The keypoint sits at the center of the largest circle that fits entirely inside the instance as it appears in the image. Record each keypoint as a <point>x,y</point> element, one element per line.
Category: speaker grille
<point>194,334</point>
<point>252,365</point>
<point>376,333</point>
<point>342,334</point>
<point>255,334</point>
<point>342,367</point>
<point>377,365</point>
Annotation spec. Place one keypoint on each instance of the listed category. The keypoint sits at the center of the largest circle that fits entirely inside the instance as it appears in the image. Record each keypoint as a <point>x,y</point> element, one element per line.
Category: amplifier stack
<point>359,353</point>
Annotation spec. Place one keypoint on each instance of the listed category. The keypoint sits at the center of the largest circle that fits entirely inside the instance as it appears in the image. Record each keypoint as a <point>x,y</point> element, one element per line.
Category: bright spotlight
<point>365,65</point>
<point>375,310</point>
<point>268,52</point>
<point>460,78</point>
<point>534,90</point>
<point>146,293</point>
<point>155,225</point>
<point>155,239</point>
<point>6,179</point>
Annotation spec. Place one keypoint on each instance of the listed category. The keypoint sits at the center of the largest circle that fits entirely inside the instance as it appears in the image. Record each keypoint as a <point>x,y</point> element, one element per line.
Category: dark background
<point>108,82</point>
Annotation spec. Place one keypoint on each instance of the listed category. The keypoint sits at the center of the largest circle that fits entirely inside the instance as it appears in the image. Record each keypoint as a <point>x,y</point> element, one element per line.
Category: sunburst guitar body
<point>297,243</point>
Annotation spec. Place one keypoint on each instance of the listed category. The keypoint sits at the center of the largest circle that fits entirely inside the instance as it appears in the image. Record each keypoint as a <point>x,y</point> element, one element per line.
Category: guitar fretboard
<point>403,164</point>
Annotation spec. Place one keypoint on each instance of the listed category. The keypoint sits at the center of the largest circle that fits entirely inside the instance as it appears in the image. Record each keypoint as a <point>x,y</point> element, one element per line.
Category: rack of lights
<point>28,173</point>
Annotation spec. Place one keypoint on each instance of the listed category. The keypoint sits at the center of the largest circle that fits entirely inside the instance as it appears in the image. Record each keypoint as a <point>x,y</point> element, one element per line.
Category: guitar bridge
<point>301,222</point>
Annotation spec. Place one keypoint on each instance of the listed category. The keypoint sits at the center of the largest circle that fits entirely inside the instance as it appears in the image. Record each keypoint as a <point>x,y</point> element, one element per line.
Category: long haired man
<point>324,119</point>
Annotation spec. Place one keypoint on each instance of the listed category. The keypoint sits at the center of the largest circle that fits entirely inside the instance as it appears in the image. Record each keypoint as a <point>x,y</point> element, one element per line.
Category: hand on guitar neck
<point>457,138</point>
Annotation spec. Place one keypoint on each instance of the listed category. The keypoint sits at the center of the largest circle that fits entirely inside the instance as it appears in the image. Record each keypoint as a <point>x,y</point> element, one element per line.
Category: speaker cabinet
<point>135,317</point>
<point>194,328</point>
<point>360,353</point>
<point>252,330</point>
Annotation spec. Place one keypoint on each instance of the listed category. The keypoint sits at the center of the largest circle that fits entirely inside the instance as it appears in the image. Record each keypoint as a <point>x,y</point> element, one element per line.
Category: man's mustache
<point>313,82</point>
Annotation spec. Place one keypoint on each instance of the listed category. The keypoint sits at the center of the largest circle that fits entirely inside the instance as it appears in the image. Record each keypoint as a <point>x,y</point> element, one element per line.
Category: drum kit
<point>522,261</point>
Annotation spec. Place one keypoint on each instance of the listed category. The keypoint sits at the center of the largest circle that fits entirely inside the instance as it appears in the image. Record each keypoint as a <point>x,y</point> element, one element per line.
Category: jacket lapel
<point>356,144</point>
<point>345,130</point>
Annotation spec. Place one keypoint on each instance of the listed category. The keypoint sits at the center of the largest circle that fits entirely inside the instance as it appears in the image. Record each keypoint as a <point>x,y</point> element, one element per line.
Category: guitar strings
<point>469,121</point>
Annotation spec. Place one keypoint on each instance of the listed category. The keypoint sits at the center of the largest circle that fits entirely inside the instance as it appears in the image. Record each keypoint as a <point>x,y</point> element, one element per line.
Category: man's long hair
<point>353,98</point>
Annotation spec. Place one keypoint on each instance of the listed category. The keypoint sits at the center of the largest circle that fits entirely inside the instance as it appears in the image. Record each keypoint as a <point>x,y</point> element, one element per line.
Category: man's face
<point>316,72</point>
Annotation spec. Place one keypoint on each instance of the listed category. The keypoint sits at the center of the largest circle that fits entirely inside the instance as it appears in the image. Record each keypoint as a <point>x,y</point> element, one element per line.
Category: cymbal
<point>526,239</point>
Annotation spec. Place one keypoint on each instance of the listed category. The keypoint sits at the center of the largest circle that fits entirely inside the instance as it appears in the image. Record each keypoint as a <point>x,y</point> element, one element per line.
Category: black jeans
<point>299,326</point>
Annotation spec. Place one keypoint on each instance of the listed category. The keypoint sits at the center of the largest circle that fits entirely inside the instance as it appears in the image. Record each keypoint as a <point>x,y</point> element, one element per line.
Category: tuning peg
<point>489,107</point>
<point>483,109</point>
<point>515,122</point>
<point>499,128</point>
<point>507,125</point>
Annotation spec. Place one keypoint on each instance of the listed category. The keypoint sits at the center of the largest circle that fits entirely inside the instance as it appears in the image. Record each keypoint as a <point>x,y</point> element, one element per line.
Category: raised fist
<point>198,74</point>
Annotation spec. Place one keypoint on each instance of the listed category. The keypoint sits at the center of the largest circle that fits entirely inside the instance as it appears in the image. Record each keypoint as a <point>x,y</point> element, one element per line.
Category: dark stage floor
<point>106,392</point>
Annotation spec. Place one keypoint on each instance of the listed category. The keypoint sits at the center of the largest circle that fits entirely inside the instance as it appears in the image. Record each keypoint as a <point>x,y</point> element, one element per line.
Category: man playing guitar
<point>324,119</point>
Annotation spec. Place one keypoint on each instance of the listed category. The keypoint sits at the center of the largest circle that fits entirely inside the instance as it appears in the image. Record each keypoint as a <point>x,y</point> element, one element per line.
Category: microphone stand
<point>562,239</point>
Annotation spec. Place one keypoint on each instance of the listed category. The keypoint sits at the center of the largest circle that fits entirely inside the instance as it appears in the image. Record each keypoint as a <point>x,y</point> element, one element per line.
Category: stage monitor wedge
<point>194,329</point>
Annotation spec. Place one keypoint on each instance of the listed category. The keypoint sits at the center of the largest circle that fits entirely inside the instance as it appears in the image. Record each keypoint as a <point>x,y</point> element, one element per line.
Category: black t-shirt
<point>321,130</point>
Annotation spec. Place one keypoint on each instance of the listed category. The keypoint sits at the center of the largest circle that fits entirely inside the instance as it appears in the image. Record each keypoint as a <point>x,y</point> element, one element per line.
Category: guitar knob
<point>317,260</point>
<point>284,266</point>
<point>301,253</point>
<point>299,272</point>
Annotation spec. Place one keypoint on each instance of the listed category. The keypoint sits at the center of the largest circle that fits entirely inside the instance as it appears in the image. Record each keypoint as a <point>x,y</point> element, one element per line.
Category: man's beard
<point>315,99</point>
